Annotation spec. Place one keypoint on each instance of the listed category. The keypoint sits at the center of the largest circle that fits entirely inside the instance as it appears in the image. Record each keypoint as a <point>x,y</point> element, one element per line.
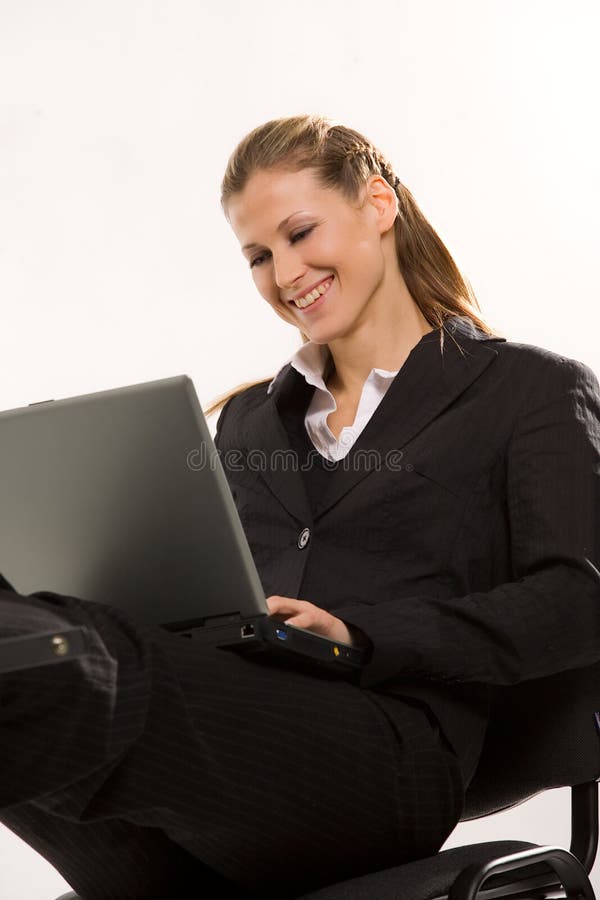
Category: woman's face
<point>297,236</point>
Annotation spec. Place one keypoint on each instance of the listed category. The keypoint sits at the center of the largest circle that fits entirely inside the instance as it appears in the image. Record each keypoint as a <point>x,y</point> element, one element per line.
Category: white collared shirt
<point>311,361</point>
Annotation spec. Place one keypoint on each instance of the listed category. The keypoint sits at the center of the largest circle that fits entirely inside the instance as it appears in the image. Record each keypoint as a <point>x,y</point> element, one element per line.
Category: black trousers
<point>154,763</point>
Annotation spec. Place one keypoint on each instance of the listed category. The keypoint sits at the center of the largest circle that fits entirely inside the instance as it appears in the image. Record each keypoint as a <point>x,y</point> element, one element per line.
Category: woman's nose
<point>288,270</point>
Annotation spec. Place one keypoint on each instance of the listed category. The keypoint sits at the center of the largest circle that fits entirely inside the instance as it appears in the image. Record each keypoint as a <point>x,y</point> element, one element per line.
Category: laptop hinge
<point>223,619</point>
<point>210,621</point>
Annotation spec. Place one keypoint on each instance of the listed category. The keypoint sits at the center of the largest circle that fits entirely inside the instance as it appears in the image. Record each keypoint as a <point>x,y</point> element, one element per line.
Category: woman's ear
<point>383,198</point>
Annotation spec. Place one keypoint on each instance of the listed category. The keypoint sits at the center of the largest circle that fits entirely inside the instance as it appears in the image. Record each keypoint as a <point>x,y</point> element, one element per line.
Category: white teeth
<point>309,299</point>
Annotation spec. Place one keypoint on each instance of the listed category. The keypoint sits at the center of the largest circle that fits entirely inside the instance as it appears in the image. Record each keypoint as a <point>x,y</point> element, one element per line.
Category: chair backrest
<point>542,734</point>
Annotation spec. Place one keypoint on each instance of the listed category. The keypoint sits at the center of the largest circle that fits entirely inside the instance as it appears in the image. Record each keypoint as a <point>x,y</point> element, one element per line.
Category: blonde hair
<point>343,159</point>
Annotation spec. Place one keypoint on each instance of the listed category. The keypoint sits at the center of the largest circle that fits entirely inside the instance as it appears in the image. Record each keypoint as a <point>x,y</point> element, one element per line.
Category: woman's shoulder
<point>247,397</point>
<point>539,376</point>
<point>529,374</point>
<point>522,355</point>
<point>239,404</point>
<point>527,357</point>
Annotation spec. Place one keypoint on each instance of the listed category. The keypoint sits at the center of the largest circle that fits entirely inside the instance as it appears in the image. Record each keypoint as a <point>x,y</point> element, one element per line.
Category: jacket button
<point>304,538</point>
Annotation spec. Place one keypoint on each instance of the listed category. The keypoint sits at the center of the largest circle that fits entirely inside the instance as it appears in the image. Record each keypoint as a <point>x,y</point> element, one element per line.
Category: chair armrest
<point>570,873</point>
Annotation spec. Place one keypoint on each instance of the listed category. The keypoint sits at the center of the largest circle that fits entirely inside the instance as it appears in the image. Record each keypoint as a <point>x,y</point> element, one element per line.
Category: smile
<point>314,296</point>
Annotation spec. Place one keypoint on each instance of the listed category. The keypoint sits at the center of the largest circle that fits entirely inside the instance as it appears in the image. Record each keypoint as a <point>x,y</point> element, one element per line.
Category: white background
<point>117,266</point>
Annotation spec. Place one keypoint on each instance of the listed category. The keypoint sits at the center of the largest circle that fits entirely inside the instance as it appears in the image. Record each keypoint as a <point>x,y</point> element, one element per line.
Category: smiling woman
<point>440,510</point>
<point>314,203</point>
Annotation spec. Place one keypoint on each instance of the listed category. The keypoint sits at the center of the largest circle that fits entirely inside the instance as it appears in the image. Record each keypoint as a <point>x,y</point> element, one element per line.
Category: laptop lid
<point>119,497</point>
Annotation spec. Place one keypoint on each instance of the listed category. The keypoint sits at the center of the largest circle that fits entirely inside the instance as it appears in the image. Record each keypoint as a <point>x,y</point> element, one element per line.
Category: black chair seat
<point>424,879</point>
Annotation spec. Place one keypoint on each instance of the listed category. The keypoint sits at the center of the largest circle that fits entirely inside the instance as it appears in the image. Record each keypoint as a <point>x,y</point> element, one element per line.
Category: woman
<point>441,510</point>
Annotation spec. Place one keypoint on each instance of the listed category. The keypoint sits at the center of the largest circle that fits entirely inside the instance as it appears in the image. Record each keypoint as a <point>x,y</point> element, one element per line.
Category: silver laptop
<point>120,497</point>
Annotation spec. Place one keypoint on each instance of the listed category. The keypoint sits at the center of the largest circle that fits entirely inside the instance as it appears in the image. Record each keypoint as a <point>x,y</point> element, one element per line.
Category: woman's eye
<point>301,234</point>
<point>257,261</point>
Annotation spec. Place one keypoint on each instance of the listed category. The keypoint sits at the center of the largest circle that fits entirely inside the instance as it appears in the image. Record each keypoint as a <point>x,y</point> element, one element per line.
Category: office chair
<point>543,734</point>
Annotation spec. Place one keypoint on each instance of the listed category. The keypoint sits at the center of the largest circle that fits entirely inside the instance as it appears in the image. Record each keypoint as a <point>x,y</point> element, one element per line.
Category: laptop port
<point>247,631</point>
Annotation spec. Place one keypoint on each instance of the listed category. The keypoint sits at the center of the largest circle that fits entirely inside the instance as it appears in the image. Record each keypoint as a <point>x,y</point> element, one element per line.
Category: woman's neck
<point>353,358</point>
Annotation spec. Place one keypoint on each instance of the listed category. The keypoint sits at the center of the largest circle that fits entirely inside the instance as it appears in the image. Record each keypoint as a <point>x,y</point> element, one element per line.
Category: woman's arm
<point>548,618</point>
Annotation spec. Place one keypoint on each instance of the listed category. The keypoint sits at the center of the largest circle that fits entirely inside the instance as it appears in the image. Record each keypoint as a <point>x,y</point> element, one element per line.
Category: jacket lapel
<point>265,434</point>
<point>427,383</point>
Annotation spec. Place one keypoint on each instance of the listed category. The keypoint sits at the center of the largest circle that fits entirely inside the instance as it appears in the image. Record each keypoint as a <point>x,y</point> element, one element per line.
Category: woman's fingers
<point>302,620</point>
<point>302,614</point>
<point>298,613</point>
<point>286,605</point>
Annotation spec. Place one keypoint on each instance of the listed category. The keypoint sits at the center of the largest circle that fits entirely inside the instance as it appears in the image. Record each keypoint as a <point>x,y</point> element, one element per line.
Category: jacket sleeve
<point>547,618</point>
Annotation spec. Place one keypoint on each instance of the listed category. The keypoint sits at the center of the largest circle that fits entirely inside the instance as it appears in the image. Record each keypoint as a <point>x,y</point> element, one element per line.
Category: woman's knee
<point>61,721</point>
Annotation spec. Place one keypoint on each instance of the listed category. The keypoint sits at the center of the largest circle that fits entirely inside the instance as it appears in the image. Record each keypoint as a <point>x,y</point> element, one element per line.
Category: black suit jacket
<point>462,531</point>
<point>464,543</point>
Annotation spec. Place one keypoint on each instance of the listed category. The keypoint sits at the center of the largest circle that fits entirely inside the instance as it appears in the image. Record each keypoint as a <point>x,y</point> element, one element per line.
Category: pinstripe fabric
<point>472,566</point>
<point>279,779</point>
<point>461,533</point>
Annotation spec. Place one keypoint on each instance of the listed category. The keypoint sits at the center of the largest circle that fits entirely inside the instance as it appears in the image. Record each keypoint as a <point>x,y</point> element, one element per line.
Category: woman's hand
<point>302,614</point>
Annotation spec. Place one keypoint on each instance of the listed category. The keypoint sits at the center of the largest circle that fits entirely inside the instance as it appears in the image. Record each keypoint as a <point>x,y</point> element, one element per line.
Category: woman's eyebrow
<point>280,227</point>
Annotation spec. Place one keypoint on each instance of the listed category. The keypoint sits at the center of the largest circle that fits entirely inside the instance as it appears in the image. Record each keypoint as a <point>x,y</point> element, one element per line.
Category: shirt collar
<point>311,360</point>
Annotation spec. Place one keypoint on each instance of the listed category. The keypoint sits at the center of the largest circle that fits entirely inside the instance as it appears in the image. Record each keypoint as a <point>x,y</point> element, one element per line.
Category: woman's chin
<point>325,335</point>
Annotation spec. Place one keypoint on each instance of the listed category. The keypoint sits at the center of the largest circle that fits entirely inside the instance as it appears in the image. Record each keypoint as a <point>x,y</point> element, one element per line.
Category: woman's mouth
<point>315,298</point>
